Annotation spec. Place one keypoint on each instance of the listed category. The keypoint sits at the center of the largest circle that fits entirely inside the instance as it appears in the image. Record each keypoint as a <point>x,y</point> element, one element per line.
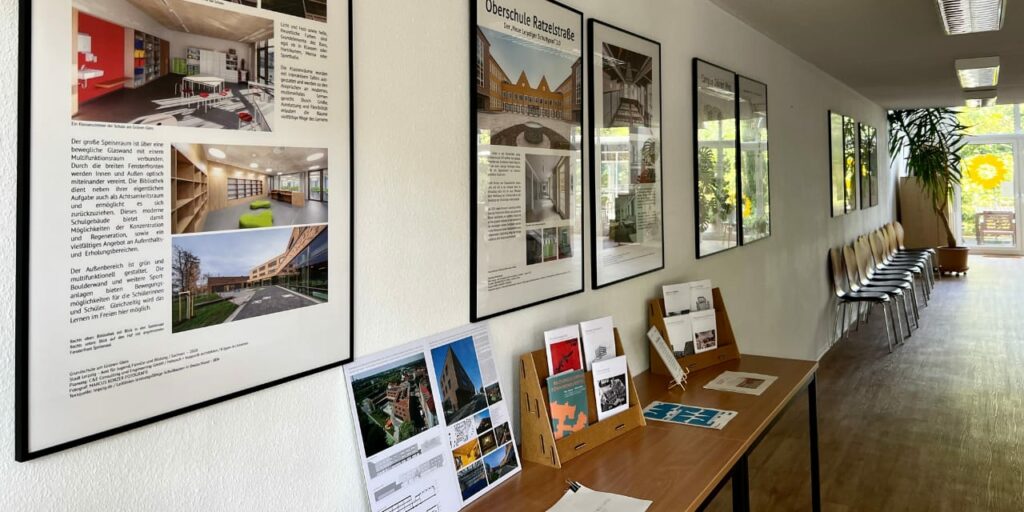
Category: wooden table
<point>678,467</point>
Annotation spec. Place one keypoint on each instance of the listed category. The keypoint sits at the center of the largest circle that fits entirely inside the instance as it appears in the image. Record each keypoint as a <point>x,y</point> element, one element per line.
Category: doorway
<point>987,203</point>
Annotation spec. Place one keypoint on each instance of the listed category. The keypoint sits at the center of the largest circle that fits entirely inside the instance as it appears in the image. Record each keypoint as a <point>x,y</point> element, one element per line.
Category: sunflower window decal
<point>988,171</point>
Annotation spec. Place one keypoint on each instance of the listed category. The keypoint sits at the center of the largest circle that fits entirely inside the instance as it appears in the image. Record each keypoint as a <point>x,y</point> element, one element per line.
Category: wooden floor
<point>936,426</point>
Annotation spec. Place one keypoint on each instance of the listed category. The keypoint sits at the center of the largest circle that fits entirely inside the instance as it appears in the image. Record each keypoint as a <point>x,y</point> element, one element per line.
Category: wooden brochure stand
<point>726,351</point>
<point>539,444</point>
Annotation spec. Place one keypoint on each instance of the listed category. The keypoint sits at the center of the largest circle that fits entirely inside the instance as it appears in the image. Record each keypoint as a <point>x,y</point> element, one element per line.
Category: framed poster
<point>755,206</point>
<point>627,230</point>
<point>175,233</point>
<point>526,118</point>
<point>868,166</point>
<point>850,174</point>
<point>837,167</point>
<point>715,159</point>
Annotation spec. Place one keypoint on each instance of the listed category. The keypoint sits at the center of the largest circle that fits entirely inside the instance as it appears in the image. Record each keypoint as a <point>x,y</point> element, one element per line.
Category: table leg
<point>812,409</point>
<point>741,486</point>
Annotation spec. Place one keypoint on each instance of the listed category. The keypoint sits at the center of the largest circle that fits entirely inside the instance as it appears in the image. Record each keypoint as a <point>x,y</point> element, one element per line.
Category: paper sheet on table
<point>589,500</point>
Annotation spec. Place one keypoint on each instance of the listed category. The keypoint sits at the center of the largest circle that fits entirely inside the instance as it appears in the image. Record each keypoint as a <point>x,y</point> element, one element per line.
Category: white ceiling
<point>207,21</point>
<point>895,52</point>
<point>281,160</point>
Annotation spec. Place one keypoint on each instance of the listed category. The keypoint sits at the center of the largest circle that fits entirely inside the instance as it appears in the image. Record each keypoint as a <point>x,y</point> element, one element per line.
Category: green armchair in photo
<point>263,219</point>
<point>256,205</point>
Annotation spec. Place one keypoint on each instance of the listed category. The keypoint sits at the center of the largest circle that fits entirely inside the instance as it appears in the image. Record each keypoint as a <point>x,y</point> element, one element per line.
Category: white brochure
<point>611,386</point>
<point>741,382</point>
<point>705,331</point>
<point>598,340</point>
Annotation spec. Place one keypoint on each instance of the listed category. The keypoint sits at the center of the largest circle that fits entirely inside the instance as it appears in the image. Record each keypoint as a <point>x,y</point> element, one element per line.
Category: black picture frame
<point>594,147</point>
<point>739,158</point>
<point>22,451</point>
<point>851,162</point>
<point>837,195</point>
<point>474,314</point>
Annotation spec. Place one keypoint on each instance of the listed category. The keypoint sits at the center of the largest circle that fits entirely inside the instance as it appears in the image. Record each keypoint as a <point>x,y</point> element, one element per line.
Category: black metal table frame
<point>740,474</point>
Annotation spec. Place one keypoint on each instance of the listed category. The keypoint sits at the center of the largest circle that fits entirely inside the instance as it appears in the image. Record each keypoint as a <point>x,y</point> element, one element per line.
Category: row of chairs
<point>877,270</point>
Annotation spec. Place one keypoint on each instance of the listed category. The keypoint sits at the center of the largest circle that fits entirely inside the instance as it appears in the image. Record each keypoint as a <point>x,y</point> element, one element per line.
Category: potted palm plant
<point>931,139</point>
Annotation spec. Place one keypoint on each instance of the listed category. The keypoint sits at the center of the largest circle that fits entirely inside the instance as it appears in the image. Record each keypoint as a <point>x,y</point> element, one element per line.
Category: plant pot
<point>953,259</point>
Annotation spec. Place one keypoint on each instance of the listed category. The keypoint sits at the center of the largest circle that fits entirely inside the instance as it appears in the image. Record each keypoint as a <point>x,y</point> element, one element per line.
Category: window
<point>479,65</point>
<point>265,62</point>
<point>241,188</point>
<point>292,182</point>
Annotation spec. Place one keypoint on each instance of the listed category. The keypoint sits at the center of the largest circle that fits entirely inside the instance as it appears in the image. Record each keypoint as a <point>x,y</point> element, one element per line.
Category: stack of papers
<point>741,382</point>
<point>703,417</point>
<point>581,499</point>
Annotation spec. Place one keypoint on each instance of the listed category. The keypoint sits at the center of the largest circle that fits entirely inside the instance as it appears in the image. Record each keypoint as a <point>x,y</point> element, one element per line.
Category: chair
<point>845,297</point>
<point>245,119</point>
<point>990,223</point>
<point>894,254</point>
<point>857,284</point>
<point>897,230</point>
<point>869,277</point>
<point>885,266</point>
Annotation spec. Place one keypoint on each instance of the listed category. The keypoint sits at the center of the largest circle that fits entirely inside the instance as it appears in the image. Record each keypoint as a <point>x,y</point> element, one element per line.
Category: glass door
<point>315,186</point>
<point>988,199</point>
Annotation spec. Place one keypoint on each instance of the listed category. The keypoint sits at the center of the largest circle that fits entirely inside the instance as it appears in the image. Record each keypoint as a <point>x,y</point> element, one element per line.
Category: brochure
<point>611,386</point>
<point>563,349</point>
<point>688,415</point>
<point>567,402</point>
<point>741,382</point>
<point>667,357</point>
<point>433,428</point>
<point>680,334</point>
<point>598,339</point>
<point>677,298</point>
<point>582,499</point>
<point>705,331</point>
<point>700,296</point>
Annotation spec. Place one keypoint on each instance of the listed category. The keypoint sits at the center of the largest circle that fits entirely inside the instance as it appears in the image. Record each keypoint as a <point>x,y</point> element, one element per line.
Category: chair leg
<point>913,300</point>
<point>894,310</point>
<point>906,314</point>
<point>846,325</point>
<point>888,333</point>
<point>832,339</point>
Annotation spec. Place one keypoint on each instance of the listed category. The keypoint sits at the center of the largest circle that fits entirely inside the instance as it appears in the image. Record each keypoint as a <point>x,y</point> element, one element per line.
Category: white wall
<point>291,447</point>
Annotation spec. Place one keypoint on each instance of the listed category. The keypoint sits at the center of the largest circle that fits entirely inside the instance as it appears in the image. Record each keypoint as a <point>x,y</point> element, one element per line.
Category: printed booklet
<point>433,427</point>
<point>567,402</point>
<point>688,415</point>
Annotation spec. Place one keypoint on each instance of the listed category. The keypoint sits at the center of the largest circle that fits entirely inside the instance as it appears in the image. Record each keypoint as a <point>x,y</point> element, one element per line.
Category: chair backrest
<point>836,271</point>
<point>891,246</point>
<point>877,246</point>
<point>865,260</point>
<point>898,228</point>
<point>850,264</point>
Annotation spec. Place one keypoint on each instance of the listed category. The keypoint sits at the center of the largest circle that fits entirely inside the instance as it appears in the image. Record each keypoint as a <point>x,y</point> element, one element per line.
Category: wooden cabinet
<point>190,194</point>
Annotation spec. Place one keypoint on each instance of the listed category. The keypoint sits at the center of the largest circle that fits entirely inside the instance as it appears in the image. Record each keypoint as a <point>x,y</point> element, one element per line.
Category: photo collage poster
<point>433,425</point>
<point>189,208</point>
<point>527,119</point>
<point>626,178</point>
<point>716,158</point>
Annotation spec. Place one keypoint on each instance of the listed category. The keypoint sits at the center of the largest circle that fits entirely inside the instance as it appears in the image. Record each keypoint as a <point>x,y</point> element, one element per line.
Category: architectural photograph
<point>395,403</point>
<point>472,479</point>
<point>227,277</point>
<point>221,187</point>
<point>500,462</point>
<point>526,98</point>
<point>315,10</point>
<point>172,63</point>
<point>628,98</point>
<point>549,188</point>
<point>458,375</point>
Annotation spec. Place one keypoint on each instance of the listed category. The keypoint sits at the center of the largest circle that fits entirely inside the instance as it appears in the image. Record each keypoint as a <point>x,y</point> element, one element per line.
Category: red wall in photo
<point>108,46</point>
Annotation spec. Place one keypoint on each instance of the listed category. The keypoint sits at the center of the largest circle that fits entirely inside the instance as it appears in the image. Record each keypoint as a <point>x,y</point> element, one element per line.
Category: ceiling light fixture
<point>969,16</point>
<point>269,170</point>
<point>975,73</point>
<point>980,98</point>
<point>314,167</point>
<point>254,165</point>
<point>314,157</point>
<point>217,153</point>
